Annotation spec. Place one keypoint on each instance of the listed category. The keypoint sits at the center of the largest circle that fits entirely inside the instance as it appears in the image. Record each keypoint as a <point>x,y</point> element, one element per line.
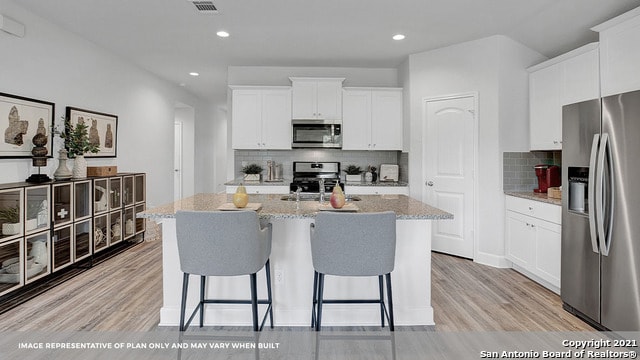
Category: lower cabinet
<point>45,228</point>
<point>533,242</point>
<point>376,190</point>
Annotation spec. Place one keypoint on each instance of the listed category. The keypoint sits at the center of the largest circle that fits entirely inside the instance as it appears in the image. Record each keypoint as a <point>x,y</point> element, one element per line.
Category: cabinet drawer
<point>537,209</point>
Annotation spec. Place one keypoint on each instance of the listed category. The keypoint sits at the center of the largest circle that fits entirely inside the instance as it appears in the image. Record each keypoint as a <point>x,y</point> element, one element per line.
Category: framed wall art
<point>21,119</point>
<point>102,130</point>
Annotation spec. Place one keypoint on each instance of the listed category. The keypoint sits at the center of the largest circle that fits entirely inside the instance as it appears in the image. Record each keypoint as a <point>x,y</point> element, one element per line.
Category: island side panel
<point>292,282</point>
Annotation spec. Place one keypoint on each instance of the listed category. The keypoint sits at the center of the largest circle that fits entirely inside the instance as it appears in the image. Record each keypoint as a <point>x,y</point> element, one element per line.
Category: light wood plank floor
<point>125,294</point>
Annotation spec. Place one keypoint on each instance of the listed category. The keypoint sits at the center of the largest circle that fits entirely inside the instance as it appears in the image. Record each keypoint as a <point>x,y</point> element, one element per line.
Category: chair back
<point>354,244</point>
<point>221,243</point>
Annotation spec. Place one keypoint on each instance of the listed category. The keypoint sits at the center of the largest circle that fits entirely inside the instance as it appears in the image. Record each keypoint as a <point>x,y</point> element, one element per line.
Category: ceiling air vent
<point>205,7</point>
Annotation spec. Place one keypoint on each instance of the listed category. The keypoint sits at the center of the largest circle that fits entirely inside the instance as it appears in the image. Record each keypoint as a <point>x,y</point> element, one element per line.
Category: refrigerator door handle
<point>606,239</point>
<point>602,149</point>
<point>591,193</point>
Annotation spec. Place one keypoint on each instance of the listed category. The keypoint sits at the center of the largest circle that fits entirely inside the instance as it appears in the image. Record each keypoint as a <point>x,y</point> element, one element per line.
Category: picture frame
<point>20,121</point>
<point>103,129</point>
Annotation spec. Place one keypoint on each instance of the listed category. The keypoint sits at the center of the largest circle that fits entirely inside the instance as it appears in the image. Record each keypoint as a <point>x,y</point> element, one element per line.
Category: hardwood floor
<point>125,294</point>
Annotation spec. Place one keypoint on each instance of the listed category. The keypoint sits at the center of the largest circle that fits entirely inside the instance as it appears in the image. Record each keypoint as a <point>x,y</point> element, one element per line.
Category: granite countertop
<point>275,208</point>
<point>534,196</point>
<point>287,181</point>
<point>240,180</point>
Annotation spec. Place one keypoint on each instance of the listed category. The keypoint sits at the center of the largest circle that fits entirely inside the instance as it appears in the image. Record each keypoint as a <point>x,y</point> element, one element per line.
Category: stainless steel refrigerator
<point>600,279</point>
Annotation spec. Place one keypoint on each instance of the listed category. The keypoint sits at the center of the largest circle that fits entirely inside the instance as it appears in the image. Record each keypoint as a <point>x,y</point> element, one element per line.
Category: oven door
<point>316,134</point>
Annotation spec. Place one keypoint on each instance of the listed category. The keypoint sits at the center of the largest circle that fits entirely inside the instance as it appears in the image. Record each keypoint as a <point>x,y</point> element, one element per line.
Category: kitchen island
<point>292,270</point>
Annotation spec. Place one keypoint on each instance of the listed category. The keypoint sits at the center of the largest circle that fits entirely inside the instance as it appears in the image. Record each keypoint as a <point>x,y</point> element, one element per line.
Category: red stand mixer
<point>548,176</point>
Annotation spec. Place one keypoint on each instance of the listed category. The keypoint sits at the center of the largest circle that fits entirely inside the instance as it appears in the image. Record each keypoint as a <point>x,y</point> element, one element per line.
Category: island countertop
<point>275,208</point>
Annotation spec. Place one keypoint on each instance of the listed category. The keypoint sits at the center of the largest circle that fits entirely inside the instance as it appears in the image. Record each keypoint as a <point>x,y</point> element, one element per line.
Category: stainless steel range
<point>308,176</point>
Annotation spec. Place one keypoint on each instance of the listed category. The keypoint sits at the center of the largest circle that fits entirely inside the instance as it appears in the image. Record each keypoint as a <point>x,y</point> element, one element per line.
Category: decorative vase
<point>11,228</point>
<point>251,177</point>
<point>79,167</point>
<point>62,172</point>
<point>39,251</point>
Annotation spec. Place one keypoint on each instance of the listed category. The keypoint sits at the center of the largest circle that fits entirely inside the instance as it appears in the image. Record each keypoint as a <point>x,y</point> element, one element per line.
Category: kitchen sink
<point>315,197</point>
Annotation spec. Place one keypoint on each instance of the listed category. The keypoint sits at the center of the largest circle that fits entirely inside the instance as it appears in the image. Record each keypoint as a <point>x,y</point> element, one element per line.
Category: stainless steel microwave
<point>316,134</point>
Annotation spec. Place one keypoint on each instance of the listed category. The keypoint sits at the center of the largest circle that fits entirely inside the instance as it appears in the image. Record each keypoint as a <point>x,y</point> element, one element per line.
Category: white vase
<point>39,251</point>
<point>353,178</point>
<point>79,167</point>
<point>11,228</point>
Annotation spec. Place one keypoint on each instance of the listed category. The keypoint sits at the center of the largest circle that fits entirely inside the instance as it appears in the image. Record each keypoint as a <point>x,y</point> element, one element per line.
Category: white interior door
<point>177,161</point>
<point>449,153</point>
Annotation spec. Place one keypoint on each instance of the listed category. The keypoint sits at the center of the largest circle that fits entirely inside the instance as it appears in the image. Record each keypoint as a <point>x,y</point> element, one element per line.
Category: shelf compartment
<point>37,260</point>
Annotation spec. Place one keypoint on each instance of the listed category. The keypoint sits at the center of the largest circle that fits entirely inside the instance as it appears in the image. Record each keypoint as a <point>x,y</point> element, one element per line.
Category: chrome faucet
<point>321,181</point>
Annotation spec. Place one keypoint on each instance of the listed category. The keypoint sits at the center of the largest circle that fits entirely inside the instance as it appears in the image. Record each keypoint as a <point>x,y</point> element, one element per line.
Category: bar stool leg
<point>381,287</point>
<point>315,299</point>
<point>254,301</point>
<point>390,303</point>
<point>320,289</point>
<point>269,298</point>
<point>202,291</point>
<point>183,305</point>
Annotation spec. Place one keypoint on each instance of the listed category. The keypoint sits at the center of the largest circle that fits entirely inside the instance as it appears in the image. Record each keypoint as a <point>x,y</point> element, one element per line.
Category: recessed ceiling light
<point>222,34</point>
<point>194,74</point>
<point>398,37</point>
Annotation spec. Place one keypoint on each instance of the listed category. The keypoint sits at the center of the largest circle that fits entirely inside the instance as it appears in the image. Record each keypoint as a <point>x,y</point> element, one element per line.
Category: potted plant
<point>76,140</point>
<point>252,172</point>
<point>354,173</point>
<point>10,217</point>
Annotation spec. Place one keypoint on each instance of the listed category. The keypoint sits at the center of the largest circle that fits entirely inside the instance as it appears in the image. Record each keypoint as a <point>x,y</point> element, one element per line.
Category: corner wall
<point>475,66</point>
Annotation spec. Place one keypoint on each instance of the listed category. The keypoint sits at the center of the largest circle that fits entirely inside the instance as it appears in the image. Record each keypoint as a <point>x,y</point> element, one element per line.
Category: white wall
<point>52,64</point>
<point>493,67</point>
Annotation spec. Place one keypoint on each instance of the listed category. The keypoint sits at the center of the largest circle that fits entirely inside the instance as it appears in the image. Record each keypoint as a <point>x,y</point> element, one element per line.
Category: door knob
<point>429,183</point>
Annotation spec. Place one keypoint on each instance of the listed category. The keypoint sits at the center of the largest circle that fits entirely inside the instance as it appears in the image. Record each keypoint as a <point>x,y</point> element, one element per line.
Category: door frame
<point>178,159</point>
<point>476,214</point>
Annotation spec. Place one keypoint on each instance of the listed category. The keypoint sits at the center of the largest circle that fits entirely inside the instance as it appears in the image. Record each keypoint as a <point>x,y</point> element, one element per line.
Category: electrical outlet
<point>279,276</point>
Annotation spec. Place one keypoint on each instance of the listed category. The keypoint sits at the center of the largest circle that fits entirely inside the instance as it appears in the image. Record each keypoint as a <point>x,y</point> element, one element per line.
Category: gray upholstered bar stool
<point>345,244</point>
<point>223,244</point>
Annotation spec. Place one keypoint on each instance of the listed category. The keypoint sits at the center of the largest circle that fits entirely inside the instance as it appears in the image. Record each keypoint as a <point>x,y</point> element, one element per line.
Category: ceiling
<point>170,38</point>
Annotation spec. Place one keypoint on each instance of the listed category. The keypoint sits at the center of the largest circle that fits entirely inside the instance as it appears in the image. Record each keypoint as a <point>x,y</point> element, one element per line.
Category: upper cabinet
<point>566,79</point>
<point>316,98</point>
<point>372,119</point>
<point>261,117</point>
<point>620,53</point>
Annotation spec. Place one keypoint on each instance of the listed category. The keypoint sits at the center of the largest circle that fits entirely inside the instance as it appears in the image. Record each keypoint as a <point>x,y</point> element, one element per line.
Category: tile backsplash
<point>517,168</point>
<point>287,157</point>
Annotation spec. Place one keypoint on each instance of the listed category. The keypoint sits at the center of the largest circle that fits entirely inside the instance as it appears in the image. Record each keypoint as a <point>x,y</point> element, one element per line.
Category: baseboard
<point>492,260</point>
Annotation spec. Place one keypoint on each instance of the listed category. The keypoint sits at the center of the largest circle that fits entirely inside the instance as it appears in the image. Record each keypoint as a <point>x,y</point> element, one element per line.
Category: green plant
<point>353,170</point>
<point>76,139</point>
<point>252,169</point>
<point>10,214</point>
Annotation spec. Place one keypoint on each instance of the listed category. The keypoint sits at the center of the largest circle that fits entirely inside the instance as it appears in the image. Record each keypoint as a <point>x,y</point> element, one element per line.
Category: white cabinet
<point>620,53</point>
<point>260,189</point>
<point>372,119</point>
<point>533,239</point>
<point>317,98</point>
<point>376,190</point>
<point>261,118</point>
<point>566,79</point>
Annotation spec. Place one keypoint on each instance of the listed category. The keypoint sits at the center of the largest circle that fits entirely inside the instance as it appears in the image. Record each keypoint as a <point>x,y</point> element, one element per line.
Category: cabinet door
<point>329,99</point>
<point>620,56</point>
<point>386,120</point>
<point>547,253</point>
<point>246,118</point>
<point>304,99</point>
<point>276,119</point>
<point>520,239</point>
<point>580,78</point>
<point>62,247</point>
<point>62,204</point>
<point>356,122</point>
<point>545,121</point>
